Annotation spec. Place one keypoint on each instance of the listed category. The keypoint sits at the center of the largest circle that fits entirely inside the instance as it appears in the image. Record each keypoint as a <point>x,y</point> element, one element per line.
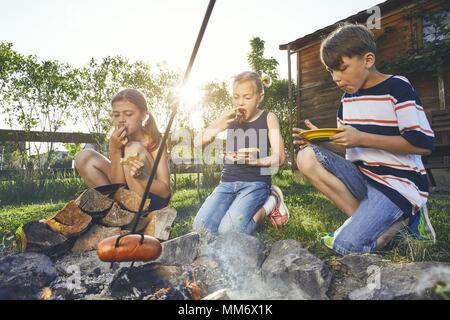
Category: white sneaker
<point>280,214</point>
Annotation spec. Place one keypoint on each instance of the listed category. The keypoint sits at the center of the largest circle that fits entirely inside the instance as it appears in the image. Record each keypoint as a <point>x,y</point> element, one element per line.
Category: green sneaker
<point>328,240</point>
<point>420,226</point>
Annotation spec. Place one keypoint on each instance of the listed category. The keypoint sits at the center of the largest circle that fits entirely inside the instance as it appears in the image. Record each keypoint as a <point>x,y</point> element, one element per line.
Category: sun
<point>190,101</point>
<point>190,96</point>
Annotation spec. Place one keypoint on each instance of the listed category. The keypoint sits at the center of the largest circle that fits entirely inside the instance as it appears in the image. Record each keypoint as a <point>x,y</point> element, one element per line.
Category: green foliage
<point>37,95</point>
<point>72,149</point>
<point>277,101</point>
<point>216,100</point>
<point>99,83</point>
<point>257,61</point>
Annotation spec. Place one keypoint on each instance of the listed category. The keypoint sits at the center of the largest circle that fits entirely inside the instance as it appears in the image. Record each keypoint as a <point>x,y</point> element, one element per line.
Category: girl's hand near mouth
<point>118,138</point>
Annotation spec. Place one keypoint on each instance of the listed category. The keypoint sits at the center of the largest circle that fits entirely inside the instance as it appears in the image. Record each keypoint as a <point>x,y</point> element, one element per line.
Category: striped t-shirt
<point>391,108</point>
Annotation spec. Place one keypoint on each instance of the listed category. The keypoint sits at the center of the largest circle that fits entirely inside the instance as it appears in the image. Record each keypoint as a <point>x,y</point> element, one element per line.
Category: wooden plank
<point>38,136</point>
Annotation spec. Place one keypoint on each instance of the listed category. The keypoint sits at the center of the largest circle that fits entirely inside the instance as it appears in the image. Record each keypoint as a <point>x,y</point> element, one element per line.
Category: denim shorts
<point>375,214</point>
<point>231,207</point>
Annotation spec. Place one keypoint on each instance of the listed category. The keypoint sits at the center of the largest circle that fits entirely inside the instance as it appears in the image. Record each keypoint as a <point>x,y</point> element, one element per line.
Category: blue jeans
<point>231,207</point>
<point>375,214</point>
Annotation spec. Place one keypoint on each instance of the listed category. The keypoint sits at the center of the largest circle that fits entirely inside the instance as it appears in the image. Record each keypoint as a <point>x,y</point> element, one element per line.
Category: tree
<point>216,100</point>
<point>99,82</point>
<point>257,61</point>
<point>10,65</point>
<point>40,96</point>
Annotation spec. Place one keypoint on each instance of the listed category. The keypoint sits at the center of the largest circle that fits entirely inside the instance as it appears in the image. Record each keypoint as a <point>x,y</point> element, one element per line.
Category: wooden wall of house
<point>319,97</point>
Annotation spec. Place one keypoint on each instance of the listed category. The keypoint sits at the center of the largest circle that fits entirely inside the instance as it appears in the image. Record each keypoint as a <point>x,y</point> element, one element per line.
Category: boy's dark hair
<point>347,40</point>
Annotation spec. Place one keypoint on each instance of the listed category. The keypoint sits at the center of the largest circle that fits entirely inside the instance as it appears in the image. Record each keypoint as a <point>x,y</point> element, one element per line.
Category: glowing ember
<point>46,293</point>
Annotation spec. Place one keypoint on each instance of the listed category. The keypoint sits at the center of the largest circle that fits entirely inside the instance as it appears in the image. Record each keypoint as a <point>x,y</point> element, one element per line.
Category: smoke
<point>437,277</point>
<point>240,258</point>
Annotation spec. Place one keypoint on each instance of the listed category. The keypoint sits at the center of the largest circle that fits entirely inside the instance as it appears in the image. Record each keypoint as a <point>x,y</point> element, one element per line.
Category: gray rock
<point>236,251</point>
<point>358,264</point>
<point>180,251</point>
<point>160,223</point>
<point>343,285</point>
<point>90,239</point>
<point>403,282</point>
<point>117,217</point>
<point>24,275</point>
<point>292,270</point>
<point>239,257</point>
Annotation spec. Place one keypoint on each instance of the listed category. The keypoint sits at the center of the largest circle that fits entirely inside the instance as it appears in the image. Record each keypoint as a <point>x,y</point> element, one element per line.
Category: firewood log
<point>94,203</point>
<point>130,200</point>
<point>38,237</point>
<point>70,221</point>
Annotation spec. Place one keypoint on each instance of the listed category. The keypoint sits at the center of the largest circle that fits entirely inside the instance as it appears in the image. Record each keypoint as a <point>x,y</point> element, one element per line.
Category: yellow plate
<point>323,134</point>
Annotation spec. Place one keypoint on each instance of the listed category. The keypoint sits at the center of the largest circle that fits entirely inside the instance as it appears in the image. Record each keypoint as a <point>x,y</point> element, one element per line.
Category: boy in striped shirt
<point>382,184</point>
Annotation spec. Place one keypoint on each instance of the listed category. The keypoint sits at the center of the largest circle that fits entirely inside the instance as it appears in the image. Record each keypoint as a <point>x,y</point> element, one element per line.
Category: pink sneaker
<point>280,214</point>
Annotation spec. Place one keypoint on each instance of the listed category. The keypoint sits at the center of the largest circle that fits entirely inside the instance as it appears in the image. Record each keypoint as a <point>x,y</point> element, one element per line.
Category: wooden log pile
<point>92,217</point>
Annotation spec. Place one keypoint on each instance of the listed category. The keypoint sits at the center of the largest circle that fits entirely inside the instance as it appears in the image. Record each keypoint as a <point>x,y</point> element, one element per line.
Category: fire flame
<point>46,293</point>
<point>194,289</point>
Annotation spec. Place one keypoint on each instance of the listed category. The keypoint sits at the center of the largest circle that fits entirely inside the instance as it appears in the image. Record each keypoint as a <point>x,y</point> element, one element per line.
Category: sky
<point>155,31</point>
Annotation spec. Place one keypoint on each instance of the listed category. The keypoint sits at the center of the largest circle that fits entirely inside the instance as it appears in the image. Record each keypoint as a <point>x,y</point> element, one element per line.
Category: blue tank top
<point>253,134</point>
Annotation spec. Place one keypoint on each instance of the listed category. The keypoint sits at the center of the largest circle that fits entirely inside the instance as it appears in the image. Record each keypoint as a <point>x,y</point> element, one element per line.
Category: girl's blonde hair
<point>137,98</point>
<point>260,81</point>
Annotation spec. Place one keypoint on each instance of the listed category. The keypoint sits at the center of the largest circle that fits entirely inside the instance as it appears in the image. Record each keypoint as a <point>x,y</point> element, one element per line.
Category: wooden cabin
<point>318,97</point>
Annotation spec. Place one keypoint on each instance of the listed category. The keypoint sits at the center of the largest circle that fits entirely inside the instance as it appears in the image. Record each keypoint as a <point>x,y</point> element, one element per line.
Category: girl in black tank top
<point>248,163</point>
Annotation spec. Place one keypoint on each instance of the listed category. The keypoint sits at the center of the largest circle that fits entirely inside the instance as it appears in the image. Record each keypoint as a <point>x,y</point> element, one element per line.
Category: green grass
<point>311,215</point>
<point>35,191</point>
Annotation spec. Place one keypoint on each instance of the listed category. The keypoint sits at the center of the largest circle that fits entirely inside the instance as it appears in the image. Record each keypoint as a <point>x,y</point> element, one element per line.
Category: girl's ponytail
<point>151,128</point>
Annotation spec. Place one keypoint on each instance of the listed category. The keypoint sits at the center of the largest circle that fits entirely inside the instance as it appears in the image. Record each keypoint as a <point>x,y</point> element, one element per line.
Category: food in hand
<point>250,154</point>
<point>239,115</point>
<point>125,137</point>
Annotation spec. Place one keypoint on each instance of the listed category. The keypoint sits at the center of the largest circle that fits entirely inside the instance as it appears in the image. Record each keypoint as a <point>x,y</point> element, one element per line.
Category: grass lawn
<point>312,215</point>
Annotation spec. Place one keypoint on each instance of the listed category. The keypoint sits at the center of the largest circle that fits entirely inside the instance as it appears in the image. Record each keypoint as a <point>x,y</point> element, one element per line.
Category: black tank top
<point>253,134</point>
